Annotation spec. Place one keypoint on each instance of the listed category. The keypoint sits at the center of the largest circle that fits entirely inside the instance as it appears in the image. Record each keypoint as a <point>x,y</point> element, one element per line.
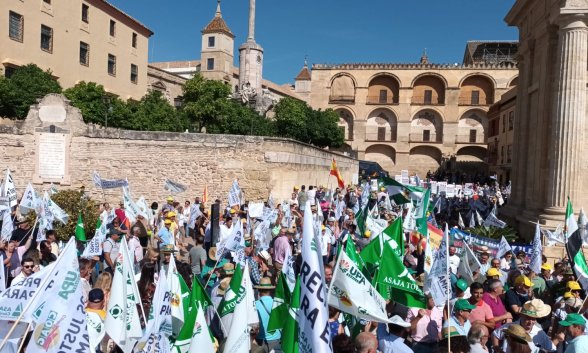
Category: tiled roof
<point>218,25</point>
<point>304,74</point>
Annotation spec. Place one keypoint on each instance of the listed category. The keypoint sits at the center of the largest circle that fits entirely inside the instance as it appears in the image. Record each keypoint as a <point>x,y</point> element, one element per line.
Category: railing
<point>420,100</point>
<point>478,139</point>
<point>381,100</point>
<point>377,137</point>
<point>476,102</point>
<point>341,99</point>
<point>433,138</point>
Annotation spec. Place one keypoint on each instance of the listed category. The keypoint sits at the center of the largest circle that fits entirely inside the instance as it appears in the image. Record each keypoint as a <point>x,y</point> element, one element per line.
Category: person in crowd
<point>85,275</point>
<point>45,255</point>
<point>96,314</point>
<point>104,282</point>
<point>575,325</point>
<point>335,327</point>
<point>482,313</point>
<point>135,248</point>
<point>51,237</point>
<point>165,236</point>
<point>365,342</point>
<point>515,297</point>
<point>197,256</point>
<point>517,339</point>
<point>484,264</point>
<point>478,338</point>
<point>493,297</point>
<point>425,327</point>
<point>28,267</point>
<point>460,317</point>
<point>328,274</point>
<point>506,261</point>
<point>391,336</point>
<point>454,260</point>
<point>342,344</point>
<point>13,257</point>
<point>270,340</point>
<point>281,248</point>
<point>110,250</point>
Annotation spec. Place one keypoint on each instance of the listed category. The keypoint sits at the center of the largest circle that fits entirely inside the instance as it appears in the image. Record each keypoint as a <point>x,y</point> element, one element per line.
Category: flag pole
<point>448,279</point>
<point>24,338</point>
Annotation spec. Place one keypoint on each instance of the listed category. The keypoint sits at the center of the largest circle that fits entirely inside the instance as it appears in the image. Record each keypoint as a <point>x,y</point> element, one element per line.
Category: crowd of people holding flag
<point>385,266</point>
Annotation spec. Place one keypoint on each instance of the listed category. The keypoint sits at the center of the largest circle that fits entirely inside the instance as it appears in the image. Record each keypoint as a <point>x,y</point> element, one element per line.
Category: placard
<point>52,158</point>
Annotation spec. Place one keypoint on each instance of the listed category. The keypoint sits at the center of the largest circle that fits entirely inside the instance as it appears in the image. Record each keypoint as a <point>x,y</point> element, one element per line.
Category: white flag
<point>313,319</point>
<point>555,237</point>
<point>131,208</point>
<point>175,291</point>
<point>96,329</point>
<point>493,221</point>
<point>469,264</point>
<point>288,271</point>
<point>122,318</point>
<point>438,277</point>
<point>351,292</point>
<point>2,277</point>
<point>157,343</point>
<point>94,246</point>
<point>503,248</point>
<point>472,220</point>
<point>159,314</point>
<point>144,209</point>
<point>460,221</point>
<point>536,258</point>
<point>54,211</point>
<point>238,340</point>
<point>7,225</point>
<point>479,218</point>
<point>29,200</point>
<point>8,189</point>
<point>234,242</point>
<point>201,342</point>
<point>235,194</point>
<point>59,312</point>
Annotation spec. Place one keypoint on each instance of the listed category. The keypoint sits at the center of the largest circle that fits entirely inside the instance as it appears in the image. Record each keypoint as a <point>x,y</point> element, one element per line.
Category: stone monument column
<point>569,113</point>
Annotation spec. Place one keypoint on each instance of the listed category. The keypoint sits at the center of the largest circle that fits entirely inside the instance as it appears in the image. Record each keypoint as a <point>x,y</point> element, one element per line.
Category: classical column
<point>251,35</point>
<point>569,113</point>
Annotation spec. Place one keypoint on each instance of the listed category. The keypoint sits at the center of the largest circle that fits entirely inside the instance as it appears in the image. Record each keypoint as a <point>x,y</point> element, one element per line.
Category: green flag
<point>571,225</point>
<point>80,232</point>
<point>280,307</point>
<point>399,192</point>
<point>392,279</point>
<point>360,217</point>
<point>233,294</point>
<point>290,331</point>
<point>421,212</point>
<point>198,300</point>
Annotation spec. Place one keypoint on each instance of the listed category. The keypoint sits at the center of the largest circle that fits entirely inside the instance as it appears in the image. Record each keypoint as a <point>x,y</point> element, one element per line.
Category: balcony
<point>431,138</point>
<point>474,101</point>
<point>373,137</point>
<point>470,139</point>
<point>381,100</point>
<point>342,99</point>
<point>426,100</point>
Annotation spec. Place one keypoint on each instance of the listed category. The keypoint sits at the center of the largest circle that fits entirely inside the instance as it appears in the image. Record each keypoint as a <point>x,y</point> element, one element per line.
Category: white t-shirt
<point>135,248</point>
<point>326,239</point>
<point>112,247</point>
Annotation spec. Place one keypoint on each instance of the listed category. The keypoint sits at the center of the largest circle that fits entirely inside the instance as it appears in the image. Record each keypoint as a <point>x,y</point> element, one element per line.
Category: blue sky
<point>328,31</point>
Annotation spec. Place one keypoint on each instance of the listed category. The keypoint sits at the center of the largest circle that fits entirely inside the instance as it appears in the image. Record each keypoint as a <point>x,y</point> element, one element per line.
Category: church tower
<point>217,49</point>
<point>251,57</point>
<point>302,82</point>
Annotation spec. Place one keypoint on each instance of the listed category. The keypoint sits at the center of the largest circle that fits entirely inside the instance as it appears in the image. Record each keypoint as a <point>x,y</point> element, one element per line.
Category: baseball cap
<point>546,267</point>
<point>573,285</point>
<point>463,304</point>
<point>524,280</point>
<point>492,272</point>
<point>96,295</point>
<point>573,319</point>
<point>461,284</point>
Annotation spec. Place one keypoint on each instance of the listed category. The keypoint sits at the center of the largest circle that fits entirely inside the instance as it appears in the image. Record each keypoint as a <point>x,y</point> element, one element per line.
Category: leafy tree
<point>72,202</point>
<point>89,98</point>
<point>7,98</point>
<point>322,128</point>
<point>291,118</point>
<point>28,83</point>
<point>206,103</point>
<point>155,113</point>
<point>494,233</point>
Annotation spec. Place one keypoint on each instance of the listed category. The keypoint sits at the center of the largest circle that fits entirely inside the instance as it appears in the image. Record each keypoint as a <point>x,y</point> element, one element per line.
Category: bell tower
<point>217,49</point>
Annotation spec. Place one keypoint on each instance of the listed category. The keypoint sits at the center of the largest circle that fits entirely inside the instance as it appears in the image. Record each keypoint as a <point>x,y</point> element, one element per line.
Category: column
<point>569,113</point>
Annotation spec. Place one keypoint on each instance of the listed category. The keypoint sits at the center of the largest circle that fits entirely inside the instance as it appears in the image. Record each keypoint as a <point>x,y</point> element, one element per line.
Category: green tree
<point>494,233</point>
<point>89,98</point>
<point>291,117</point>
<point>206,103</point>
<point>323,130</point>
<point>7,99</point>
<point>155,113</point>
<point>28,83</point>
<point>73,202</point>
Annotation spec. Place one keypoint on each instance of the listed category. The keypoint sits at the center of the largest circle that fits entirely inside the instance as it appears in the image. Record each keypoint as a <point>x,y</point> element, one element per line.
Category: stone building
<point>549,156</point>
<point>411,116</point>
<point>501,116</point>
<point>77,40</point>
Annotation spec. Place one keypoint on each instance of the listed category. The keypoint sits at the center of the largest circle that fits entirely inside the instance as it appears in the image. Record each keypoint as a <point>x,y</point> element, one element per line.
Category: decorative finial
<point>305,60</point>
<point>218,9</point>
<point>424,58</point>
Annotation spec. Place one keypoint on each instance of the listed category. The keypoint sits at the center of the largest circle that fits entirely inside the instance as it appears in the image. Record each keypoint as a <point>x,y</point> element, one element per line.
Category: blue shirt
<point>461,329</point>
<point>390,343</point>
<point>578,345</point>
<point>165,235</point>
<point>264,308</point>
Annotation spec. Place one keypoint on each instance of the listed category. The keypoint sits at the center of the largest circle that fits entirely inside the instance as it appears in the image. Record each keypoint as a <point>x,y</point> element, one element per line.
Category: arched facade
<point>381,125</point>
<point>384,155</point>
<point>476,89</point>
<point>342,89</point>
<point>424,158</point>
<point>471,154</point>
<point>428,89</point>
<point>383,89</point>
<point>472,127</point>
<point>514,82</point>
<point>426,126</point>
<point>346,122</point>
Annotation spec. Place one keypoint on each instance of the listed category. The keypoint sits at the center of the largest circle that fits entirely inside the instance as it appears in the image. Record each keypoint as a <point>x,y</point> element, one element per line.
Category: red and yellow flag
<point>205,194</point>
<point>335,172</point>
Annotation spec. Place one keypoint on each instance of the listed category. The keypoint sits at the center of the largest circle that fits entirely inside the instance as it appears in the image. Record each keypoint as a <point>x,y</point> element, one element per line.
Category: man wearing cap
<point>392,340</point>
<point>425,327</point>
<point>462,291</point>
<point>547,275</point>
<point>164,235</point>
<point>110,250</point>
<point>270,340</point>
<point>95,316</point>
<point>169,206</point>
<point>493,298</point>
<point>519,294</point>
<point>460,317</point>
<point>575,325</point>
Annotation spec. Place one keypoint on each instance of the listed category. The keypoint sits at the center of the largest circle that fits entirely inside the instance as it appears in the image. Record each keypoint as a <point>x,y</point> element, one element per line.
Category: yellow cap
<point>573,285</point>
<point>323,227</point>
<point>492,272</point>
<point>171,214</point>
<point>546,267</point>
<point>232,211</point>
<point>295,187</point>
<point>524,280</point>
<point>367,234</point>
<point>169,198</point>
<point>167,221</point>
<point>568,295</point>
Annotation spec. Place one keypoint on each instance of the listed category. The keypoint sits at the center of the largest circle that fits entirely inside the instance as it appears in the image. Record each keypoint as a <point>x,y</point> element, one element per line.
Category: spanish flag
<point>336,174</point>
<point>205,194</point>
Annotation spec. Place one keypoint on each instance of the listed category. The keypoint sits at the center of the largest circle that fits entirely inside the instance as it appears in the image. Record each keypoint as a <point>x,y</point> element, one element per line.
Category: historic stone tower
<point>251,57</point>
<point>217,49</point>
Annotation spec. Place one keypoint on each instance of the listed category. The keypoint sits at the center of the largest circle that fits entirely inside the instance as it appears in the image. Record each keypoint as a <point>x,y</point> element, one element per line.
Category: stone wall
<point>147,159</point>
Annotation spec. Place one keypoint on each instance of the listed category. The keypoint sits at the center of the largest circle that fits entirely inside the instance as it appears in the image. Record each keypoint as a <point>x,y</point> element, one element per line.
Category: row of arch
<point>427,88</point>
<point>426,126</point>
<point>421,157</point>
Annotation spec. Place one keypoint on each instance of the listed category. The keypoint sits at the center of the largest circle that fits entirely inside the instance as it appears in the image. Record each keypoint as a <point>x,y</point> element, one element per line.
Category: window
<point>473,136</point>
<point>111,65</point>
<point>85,10</point>
<point>381,133</point>
<point>509,154</point>
<point>502,155</point>
<point>112,28</point>
<point>134,73</point>
<point>84,54</point>
<point>178,102</point>
<point>383,96</point>
<point>210,64</point>
<point>9,71</point>
<point>475,97</point>
<point>211,41</point>
<point>47,38</point>
<point>511,120</point>
<point>503,123</point>
<point>134,40</point>
<point>15,26</point>
<point>428,96</point>
<point>426,135</point>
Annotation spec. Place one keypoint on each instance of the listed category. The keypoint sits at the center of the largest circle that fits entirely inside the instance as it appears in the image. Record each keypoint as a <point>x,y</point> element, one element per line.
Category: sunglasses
<point>27,266</point>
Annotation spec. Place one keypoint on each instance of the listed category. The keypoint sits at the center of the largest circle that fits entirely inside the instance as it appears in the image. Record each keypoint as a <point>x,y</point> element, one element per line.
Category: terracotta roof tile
<point>304,74</point>
<point>218,25</point>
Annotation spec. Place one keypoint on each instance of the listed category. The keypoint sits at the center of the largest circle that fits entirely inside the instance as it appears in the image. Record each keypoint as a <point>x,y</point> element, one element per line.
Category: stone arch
<point>384,155</point>
<point>429,89</point>
<point>381,125</point>
<point>472,127</point>
<point>513,82</point>
<point>471,154</point>
<point>476,89</point>
<point>343,88</point>
<point>346,117</point>
<point>426,126</point>
<point>383,88</point>
<point>424,158</point>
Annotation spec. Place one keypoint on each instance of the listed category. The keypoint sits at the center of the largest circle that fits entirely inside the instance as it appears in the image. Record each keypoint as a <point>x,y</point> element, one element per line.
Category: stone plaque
<point>52,158</point>
<point>52,113</point>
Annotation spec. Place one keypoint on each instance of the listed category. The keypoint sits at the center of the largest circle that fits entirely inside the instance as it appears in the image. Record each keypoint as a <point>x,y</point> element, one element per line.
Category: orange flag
<point>205,195</point>
<point>335,172</point>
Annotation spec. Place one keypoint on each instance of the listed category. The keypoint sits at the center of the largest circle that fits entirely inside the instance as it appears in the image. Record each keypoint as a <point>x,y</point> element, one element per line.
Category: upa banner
<point>108,184</point>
